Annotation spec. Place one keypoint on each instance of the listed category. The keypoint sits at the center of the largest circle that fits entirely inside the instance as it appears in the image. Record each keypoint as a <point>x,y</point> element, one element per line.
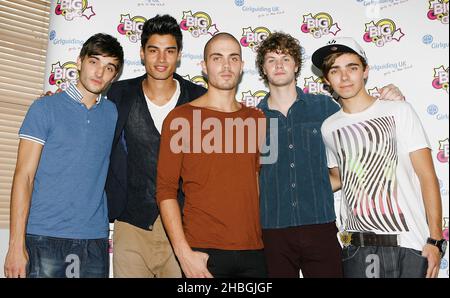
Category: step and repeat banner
<point>406,43</point>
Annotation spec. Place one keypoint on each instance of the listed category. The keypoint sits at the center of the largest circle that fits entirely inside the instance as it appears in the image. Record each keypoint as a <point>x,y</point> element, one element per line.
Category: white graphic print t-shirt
<point>380,190</point>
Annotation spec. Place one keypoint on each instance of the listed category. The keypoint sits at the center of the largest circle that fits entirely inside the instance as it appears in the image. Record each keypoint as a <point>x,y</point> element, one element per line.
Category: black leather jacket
<point>140,211</point>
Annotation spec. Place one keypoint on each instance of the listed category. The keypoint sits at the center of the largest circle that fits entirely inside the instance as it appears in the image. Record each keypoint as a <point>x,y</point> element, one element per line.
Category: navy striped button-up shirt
<point>296,190</point>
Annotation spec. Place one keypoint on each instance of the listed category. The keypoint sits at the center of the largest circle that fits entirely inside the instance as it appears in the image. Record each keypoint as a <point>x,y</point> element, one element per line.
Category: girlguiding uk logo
<point>198,24</point>
<point>71,9</point>
<point>253,38</point>
<point>131,27</point>
<point>319,25</point>
<point>382,32</point>
<point>438,11</point>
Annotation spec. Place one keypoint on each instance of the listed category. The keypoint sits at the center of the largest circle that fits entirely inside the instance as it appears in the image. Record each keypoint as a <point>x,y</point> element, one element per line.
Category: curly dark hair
<point>279,42</point>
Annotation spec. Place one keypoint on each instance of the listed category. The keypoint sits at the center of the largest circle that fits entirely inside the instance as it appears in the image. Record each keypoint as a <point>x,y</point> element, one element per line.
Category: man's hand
<point>50,93</point>
<point>16,262</point>
<point>193,264</point>
<point>431,252</point>
<point>391,92</point>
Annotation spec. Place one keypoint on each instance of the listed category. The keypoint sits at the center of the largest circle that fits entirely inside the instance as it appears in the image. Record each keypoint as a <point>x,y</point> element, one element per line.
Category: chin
<point>159,76</point>
<point>96,91</point>
<point>346,96</point>
<point>226,86</point>
<point>280,83</point>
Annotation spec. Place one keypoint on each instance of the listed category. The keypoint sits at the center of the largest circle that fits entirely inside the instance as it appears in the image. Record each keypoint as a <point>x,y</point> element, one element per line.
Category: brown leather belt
<point>372,239</point>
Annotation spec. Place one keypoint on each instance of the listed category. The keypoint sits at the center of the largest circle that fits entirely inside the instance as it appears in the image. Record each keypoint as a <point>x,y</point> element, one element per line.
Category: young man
<point>59,220</point>
<point>212,144</point>
<point>141,247</point>
<point>297,206</point>
<point>391,204</point>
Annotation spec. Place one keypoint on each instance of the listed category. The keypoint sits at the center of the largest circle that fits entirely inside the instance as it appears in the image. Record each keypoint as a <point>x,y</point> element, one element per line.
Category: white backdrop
<point>406,41</point>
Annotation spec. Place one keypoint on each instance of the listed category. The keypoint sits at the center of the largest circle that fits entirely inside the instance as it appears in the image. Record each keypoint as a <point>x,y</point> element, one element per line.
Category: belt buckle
<point>346,238</point>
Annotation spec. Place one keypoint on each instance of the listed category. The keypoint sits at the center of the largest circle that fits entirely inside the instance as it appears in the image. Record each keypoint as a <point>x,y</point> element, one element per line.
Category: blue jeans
<point>67,258</point>
<point>383,262</point>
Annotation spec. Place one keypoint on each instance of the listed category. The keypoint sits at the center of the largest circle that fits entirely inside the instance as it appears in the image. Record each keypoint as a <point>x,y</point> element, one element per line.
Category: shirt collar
<point>264,104</point>
<point>76,94</point>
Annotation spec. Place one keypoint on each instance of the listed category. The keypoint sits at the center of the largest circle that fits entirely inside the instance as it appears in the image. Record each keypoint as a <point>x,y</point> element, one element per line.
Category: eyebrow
<point>350,64</point>
<point>168,48</point>
<point>98,59</point>
<point>268,56</point>
<point>221,55</point>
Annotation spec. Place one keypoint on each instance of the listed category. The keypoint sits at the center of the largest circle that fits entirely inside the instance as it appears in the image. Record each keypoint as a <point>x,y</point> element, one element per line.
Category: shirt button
<point>294,204</point>
<point>314,131</point>
<point>291,146</point>
<point>293,185</point>
<point>292,165</point>
<point>89,121</point>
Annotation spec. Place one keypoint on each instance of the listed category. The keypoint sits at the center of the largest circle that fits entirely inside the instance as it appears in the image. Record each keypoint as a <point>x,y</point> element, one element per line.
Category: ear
<point>366,72</point>
<point>242,66</point>
<point>326,81</point>
<point>79,63</point>
<point>205,71</point>
<point>142,54</point>
<point>179,56</point>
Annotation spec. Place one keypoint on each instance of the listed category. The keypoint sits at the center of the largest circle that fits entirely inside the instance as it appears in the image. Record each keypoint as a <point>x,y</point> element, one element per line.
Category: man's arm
<point>335,179</point>
<point>29,154</point>
<point>423,166</point>
<point>170,163</point>
<point>192,263</point>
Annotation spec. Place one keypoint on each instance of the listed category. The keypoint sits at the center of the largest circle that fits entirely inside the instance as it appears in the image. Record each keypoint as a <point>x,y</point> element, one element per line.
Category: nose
<point>162,57</point>
<point>279,64</point>
<point>226,64</point>
<point>344,75</point>
<point>99,71</point>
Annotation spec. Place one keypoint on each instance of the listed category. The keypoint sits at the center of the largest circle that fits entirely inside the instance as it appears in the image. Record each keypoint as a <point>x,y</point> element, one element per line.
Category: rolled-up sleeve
<point>169,161</point>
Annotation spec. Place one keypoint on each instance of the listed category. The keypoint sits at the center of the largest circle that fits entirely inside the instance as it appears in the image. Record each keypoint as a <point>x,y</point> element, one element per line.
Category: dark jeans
<point>235,263</point>
<point>61,258</point>
<point>383,262</point>
<point>313,249</point>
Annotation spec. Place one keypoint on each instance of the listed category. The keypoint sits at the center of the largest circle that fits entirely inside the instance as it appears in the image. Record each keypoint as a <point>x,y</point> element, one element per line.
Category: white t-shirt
<point>380,190</point>
<point>159,113</point>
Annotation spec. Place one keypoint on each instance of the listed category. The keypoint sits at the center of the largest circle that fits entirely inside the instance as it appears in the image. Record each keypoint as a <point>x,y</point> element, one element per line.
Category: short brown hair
<point>329,60</point>
<point>280,43</point>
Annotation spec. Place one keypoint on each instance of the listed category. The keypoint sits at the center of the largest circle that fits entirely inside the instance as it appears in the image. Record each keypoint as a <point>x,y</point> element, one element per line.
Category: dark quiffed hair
<point>279,42</point>
<point>104,45</point>
<point>162,25</point>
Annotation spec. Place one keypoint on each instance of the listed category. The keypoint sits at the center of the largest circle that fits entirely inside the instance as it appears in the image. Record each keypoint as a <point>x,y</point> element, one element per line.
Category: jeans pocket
<point>414,265</point>
<point>415,253</point>
<point>350,252</point>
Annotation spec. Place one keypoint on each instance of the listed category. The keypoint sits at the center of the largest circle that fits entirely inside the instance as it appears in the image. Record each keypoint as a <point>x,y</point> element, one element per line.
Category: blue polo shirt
<point>296,189</point>
<point>68,199</point>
